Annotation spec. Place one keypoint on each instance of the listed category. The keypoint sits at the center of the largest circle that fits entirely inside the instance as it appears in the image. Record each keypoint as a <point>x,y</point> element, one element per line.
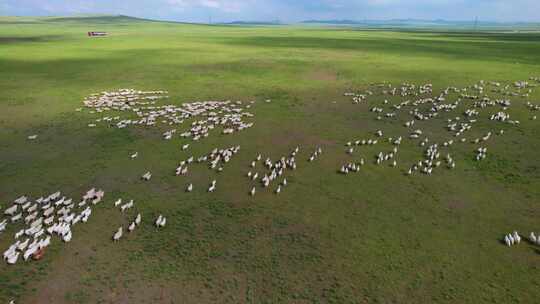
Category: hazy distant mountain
<point>391,23</point>
<point>251,23</point>
<point>344,21</point>
<point>413,22</point>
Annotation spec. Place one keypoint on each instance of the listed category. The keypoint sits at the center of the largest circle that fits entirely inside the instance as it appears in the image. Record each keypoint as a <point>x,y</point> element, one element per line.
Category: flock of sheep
<point>423,105</point>
<point>207,115</point>
<point>47,216</point>
<point>55,214</point>
<point>514,238</point>
<point>414,105</point>
<point>274,170</point>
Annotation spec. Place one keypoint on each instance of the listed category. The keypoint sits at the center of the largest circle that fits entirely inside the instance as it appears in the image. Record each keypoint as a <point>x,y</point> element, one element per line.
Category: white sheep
<point>67,237</point>
<point>127,206</point>
<point>12,259</point>
<point>15,218</point>
<point>516,237</point>
<point>160,221</point>
<point>147,176</point>
<point>532,238</point>
<point>3,225</point>
<point>11,210</point>
<point>118,234</point>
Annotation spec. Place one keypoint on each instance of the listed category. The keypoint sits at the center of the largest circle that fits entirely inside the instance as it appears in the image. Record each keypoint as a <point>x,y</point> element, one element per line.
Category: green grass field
<point>376,236</point>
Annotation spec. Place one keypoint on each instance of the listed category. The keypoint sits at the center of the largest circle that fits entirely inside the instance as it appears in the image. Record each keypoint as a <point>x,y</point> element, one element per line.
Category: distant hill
<point>88,19</point>
<point>376,24</point>
<point>82,19</point>
<point>333,21</point>
<point>418,23</point>
<point>251,23</point>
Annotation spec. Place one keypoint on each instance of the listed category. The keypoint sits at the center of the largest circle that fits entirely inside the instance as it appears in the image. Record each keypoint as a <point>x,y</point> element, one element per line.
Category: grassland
<point>375,237</point>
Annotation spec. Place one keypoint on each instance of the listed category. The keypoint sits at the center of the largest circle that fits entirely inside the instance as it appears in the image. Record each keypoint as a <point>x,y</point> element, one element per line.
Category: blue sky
<point>283,10</point>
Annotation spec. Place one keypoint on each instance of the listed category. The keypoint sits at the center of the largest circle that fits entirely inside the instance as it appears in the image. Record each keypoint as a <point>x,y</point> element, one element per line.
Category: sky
<point>283,10</point>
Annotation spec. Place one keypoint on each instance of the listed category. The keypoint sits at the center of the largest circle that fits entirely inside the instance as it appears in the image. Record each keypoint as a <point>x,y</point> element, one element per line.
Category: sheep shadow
<point>532,245</point>
<point>523,240</point>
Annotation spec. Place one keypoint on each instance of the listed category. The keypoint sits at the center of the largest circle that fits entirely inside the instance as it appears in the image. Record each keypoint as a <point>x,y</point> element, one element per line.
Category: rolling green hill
<point>97,19</point>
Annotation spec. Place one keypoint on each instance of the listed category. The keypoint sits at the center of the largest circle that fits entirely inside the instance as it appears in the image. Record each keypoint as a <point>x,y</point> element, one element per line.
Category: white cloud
<point>223,5</point>
<point>210,3</point>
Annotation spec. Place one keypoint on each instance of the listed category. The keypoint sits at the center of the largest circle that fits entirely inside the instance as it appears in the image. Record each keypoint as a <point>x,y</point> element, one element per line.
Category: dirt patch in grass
<point>457,205</point>
<point>292,138</point>
<point>322,75</point>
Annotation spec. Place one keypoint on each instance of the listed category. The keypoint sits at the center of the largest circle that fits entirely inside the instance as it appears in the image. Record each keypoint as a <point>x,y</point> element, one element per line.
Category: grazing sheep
<point>147,176</point>
<point>509,240</point>
<point>16,218</point>
<point>11,210</point>
<point>212,187</point>
<point>11,250</point>
<point>160,221</point>
<point>131,227</point>
<point>22,246</point>
<point>516,237</point>
<point>127,206</point>
<point>3,225</point>
<point>30,251</point>
<point>118,234</point>
<point>12,259</point>
<point>532,238</point>
<point>67,237</point>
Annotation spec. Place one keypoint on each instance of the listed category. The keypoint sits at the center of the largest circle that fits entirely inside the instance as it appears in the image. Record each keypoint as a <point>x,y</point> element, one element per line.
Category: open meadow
<point>379,235</point>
